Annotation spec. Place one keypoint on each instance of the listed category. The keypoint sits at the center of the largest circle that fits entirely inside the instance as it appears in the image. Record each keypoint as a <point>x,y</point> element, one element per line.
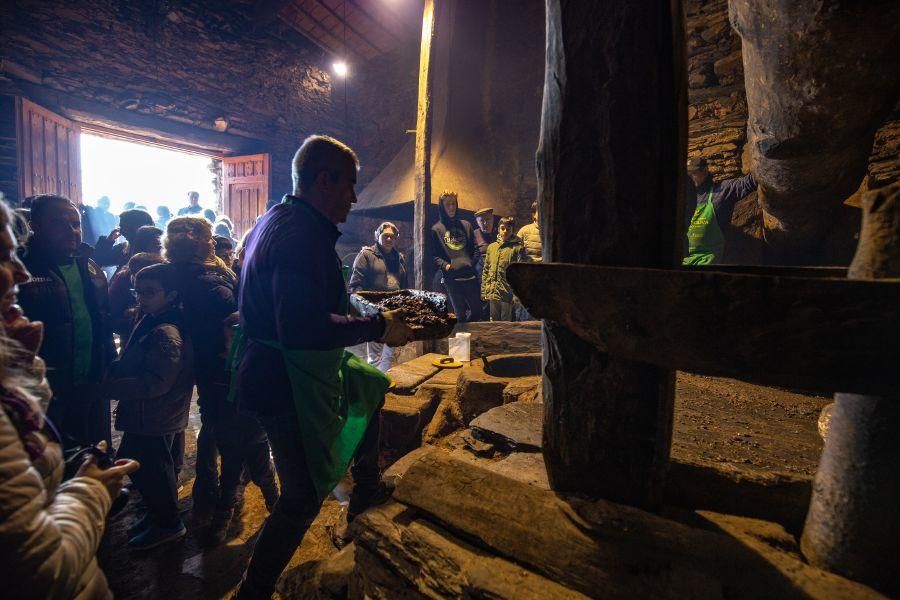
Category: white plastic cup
<point>460,345</point>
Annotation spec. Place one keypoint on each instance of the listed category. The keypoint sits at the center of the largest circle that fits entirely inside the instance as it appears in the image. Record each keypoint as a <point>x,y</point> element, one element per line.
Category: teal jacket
<point>494,285</point>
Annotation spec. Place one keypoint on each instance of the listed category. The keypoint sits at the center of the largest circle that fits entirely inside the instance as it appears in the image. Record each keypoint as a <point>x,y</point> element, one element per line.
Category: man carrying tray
<point>318,404</point>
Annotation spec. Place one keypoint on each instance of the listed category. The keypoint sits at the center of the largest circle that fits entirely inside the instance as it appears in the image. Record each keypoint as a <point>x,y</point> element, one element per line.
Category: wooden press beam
<point>423,147</point>
<point>609,164</point>
<point>815,333</point>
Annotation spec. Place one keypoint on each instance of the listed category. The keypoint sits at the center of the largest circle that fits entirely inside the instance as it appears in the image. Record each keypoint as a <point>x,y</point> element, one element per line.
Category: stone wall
<point>513,92</point>
<point>190,62</point>
<point>381,104</point>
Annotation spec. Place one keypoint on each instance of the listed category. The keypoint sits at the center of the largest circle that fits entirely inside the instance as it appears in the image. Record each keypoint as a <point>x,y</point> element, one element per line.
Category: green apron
<point>705,239</point>
<point>335,395</point>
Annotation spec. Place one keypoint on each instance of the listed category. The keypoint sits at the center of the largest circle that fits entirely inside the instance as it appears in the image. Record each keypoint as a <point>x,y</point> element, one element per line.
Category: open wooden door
<point>48,152</point>
<point>246,181</point>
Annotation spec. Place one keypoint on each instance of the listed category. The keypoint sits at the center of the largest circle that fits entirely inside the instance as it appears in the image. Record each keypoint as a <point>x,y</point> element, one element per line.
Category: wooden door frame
<point>134,138</point>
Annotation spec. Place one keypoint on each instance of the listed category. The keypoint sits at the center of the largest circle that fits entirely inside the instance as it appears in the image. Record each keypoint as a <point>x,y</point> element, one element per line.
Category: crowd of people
<point>185,310</point>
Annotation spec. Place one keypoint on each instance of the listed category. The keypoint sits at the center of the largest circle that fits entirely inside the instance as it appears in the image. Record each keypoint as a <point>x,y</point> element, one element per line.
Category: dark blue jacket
<point>290,291</point>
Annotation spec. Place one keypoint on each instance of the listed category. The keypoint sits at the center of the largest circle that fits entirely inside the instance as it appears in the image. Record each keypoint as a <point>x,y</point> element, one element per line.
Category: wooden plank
<point>602,549</point>
<point>614,82</point>
<point>822,335</point>
<point>424,560</point>
<point>424,119</point>
<point>48,156</point>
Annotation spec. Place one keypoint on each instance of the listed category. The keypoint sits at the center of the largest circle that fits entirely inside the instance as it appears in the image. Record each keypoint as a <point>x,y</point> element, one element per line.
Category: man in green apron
<point>710,205</point>
<point>318,403</point>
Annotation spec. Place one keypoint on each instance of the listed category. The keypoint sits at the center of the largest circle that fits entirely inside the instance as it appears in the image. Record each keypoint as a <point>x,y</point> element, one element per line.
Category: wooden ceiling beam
<point>365,12</point>
<point>349,27</point>
<point>320,39</point>
<point>413,28</point>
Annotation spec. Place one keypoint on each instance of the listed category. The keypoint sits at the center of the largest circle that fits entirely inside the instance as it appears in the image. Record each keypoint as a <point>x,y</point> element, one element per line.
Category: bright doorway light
<point>146,175</point>
<point>340,68</point>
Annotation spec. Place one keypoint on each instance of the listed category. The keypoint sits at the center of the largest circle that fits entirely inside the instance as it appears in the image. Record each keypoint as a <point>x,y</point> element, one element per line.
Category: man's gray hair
<point>320,153</point>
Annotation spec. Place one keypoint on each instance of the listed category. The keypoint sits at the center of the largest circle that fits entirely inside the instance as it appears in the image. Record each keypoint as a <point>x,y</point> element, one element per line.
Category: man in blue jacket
<point>293,301</point>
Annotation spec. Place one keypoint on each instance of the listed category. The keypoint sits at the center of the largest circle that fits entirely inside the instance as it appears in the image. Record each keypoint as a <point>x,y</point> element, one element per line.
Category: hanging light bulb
<point>340,68</point>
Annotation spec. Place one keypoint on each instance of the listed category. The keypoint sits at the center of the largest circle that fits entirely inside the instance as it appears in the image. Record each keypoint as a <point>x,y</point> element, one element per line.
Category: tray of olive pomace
<point>425,312</point>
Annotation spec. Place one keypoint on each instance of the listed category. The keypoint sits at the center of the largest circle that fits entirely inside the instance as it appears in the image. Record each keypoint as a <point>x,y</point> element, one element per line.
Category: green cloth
<point>82,326</point>
<point>336,394</point>
<point>706,242</point>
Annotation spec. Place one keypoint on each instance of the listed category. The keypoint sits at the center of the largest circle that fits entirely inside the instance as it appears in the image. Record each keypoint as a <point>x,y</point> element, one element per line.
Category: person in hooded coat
<point>455,257</point>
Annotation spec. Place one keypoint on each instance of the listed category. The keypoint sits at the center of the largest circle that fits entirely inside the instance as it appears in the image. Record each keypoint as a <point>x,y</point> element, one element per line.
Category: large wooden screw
<point>853,524</point>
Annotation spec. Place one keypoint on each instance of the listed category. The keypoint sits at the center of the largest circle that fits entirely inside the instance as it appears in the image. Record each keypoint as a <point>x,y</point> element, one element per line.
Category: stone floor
<point>729,437</point>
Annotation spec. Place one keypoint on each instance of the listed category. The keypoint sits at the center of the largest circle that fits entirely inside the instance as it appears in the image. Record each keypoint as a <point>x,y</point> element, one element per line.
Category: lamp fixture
<point>340,68</point>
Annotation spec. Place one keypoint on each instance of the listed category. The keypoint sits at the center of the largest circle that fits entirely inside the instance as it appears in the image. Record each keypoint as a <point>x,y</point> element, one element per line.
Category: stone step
<point>409,375</point>
<point>515,426</point>
<point>403,420</point>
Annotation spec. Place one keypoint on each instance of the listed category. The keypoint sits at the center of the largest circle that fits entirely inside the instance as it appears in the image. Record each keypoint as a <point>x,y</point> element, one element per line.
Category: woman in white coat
<point>49,531</point>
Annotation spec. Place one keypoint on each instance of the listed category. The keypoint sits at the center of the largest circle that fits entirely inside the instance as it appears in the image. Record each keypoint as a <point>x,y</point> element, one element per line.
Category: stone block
<point>477,392</point>
<point>401,556</point>
<point>447,418</point>
<point>447,377</point>
<point>515,426</point>
<point>523,389</point>
<point>498,337</point>
<point>600,548</point>
<point>409,375</point>
<point>404,418</point>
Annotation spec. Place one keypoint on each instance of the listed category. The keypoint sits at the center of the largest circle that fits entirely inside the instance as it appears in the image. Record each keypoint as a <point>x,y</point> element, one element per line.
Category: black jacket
<point>371,268</point>
<point>454,243</point>
<point>153,380</point>
<point>46,298</point>
<point>207,294</point>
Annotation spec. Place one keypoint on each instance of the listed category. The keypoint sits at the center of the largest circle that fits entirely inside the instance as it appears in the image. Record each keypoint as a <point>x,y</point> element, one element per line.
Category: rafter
<point>345,22</point>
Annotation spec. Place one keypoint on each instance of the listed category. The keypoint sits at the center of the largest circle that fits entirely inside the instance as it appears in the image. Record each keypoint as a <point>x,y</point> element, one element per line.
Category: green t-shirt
<point>82,327</point>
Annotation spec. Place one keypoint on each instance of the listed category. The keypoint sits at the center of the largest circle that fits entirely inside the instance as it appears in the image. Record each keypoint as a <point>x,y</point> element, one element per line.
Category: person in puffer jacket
<point>380,268</point>
<point>49,531</point>
<point>495,288</point>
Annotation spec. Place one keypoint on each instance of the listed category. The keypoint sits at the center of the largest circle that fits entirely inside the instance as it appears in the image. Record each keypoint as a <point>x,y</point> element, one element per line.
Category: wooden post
<point>610,175</point>
<point>853,524</point>
<point>424,120</point>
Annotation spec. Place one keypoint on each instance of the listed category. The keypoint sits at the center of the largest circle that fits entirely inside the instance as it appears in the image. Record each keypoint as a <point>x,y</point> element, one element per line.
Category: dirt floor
<point>717,421</point>
<point>186,568</point>
<point>755,428</point>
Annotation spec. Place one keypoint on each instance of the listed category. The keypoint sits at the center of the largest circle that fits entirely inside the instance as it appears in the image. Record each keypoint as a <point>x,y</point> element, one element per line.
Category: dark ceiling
<point>357,30</point>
